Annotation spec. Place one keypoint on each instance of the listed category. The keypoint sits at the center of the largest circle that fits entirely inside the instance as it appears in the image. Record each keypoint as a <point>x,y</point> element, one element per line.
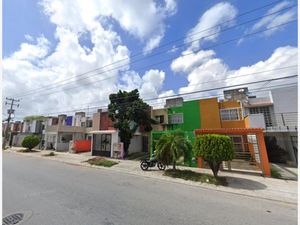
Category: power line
<point>183,94</point>
<point>228,78</point>
<point>258,90</point>
<point>193,34</point>
<point>170,59</point>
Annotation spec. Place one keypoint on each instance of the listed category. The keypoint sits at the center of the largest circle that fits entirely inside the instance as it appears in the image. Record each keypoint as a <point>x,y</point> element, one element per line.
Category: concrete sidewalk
<point>238,183</point>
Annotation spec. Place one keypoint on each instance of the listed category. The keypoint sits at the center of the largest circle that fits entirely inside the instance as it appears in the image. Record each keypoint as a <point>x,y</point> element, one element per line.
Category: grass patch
<point>27,150</point>
<point>50,154</point>
<point>198,177</point>
<point>275,172</point>
<point>99,161</point>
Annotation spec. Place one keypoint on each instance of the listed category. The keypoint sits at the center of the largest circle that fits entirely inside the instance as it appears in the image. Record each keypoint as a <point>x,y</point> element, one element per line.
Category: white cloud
<point>214,69</point>
<point>28,37</point>
<point>210,23</point>
<point>142,19</point>
<point>188,60</point>
<point>31,51</point>
<point>275,19</point>
<point>281,57</point>
<point>149,85</point>
<point>152,83</point>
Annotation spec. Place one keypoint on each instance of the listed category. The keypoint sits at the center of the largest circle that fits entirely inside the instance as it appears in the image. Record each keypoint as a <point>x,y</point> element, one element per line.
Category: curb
<point>173,180</point>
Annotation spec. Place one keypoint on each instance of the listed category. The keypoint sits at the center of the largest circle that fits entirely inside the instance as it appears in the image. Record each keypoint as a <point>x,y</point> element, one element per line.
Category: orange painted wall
<point>229,104</point>
<point>233,124</point>
<point>247,122</point>
<point>209,113</point>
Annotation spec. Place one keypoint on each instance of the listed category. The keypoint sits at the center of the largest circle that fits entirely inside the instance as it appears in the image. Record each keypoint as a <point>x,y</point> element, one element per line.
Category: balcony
<point>274,122</point>
<point>283,122</point>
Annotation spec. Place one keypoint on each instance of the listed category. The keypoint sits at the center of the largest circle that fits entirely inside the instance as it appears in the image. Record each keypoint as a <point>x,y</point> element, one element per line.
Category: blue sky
<point>47,28</point>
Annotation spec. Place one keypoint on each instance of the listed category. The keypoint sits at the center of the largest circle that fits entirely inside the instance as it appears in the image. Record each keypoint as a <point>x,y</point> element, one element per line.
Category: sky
<point>63,55</point>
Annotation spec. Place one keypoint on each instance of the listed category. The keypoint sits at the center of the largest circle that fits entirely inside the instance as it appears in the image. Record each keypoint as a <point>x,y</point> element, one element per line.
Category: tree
<point>171,146</point>
<point>30,142</point>
<point>127,112</point>
<point>214,149</point>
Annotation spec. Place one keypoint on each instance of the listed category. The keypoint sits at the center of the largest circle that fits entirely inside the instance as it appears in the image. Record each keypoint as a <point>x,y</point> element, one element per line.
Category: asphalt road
<point>57,194</point>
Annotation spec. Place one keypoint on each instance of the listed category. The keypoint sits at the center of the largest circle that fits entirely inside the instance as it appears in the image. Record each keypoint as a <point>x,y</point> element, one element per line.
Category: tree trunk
<point>215,166</point>
<point>174,165</point>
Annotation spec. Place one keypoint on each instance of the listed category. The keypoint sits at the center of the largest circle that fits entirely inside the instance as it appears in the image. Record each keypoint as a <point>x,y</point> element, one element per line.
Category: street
<point>61,194</point>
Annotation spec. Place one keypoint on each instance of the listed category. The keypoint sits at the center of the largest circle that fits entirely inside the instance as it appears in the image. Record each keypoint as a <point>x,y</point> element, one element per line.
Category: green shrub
<point>30,142</point>
<point>50,154</point>
<point>99,161</point>
<point>275,172</point>
<point>214,149</point>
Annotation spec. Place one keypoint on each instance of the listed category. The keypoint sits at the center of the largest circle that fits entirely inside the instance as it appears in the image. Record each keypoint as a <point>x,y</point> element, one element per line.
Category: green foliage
<point>198,177</point>
<point>214,148</point>
<point>171,146</point>
<point>275,172</point>
<point>30,142</point>
<point>128,111</point>
<point>98,161</point>
<point>50,154</point>
<point>30,118</point>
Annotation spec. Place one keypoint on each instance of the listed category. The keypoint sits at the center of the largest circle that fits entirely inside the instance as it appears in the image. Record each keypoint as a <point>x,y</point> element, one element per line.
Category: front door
<point>101,144</point>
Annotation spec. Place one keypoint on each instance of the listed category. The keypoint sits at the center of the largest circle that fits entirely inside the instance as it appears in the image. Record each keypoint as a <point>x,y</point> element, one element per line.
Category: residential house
<point>105,138</point>
<point>58,135</point>
<point>30,126</point>
<point>277,113</point>
<point>205,115</point>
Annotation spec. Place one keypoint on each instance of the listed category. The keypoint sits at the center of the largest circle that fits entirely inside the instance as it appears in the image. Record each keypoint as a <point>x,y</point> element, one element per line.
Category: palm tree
<point>171,146</point>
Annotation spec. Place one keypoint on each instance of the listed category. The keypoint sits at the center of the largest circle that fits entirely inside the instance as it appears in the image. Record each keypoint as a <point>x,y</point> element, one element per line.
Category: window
<point>230,114</point>
<point>159,119</point>
<point>66,138</point>
<point>89,123</point>
<point>176,118</point>
<point>264,110</point>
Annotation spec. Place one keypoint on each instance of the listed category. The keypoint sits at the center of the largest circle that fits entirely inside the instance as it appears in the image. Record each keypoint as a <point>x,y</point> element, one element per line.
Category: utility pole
<point>9,101</point>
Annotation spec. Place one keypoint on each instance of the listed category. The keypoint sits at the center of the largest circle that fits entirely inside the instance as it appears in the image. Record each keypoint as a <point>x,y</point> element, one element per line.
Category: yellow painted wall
<point>209,113</point>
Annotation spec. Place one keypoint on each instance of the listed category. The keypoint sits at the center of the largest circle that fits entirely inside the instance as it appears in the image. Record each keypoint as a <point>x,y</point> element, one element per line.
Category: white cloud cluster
<point>211,72</point>
<point>275,19</point>
<point>142,19</point>
<point>149,85</point>
<point>36,65</point>
<point>211,22</point>
<point>204,70</point>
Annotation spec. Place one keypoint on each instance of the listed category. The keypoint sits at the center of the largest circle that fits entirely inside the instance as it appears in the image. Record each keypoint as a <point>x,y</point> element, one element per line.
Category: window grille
<point>230,114</point>
<point>265,111</point>
<point>176,118</point>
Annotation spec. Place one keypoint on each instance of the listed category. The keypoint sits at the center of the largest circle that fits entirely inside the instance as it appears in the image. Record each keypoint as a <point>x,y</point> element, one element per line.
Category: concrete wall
<point>136,144</point>
<point>285,99</point>
<point>256,121</point>
<point>17,139</point>
<point>96,121</point>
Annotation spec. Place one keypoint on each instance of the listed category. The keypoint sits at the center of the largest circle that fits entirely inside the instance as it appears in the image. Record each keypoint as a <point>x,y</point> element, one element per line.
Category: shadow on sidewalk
<point>242,183</point>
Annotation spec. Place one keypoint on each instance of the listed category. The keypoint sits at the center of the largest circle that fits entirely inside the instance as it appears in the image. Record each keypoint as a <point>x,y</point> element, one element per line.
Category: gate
<point>246,154</point>
<point>249,146</point>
